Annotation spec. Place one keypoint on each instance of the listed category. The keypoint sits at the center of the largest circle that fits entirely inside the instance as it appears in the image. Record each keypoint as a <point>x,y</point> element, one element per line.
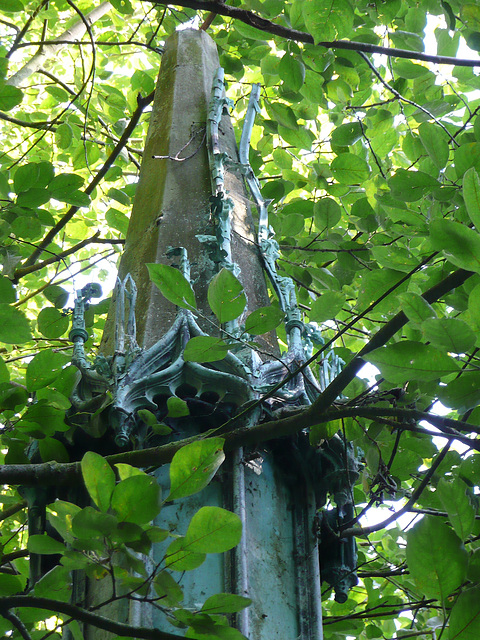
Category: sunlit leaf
<point>194,465</point>
<point>460,245</point>
<point>136,499</point>
<point>436,558</point>
<point>408,360</point>
<point>99,479</point>
<point>14,326</point>
<point>263,320</point>
<point>213,530</point>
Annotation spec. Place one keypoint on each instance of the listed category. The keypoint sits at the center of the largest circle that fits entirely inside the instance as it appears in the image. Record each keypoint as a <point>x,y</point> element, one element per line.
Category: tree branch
<point>83,615</point>
<point>12,510</point>
<point>95,239</point>
<point>361,531</point>
<point>15,622</point>
<point>75,32</point>
<point>254,20</point>
<point>142,103</point>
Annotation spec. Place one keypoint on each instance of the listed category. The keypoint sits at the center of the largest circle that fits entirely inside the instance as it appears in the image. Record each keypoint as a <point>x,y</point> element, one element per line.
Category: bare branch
<point>51,49</point>
<point>254,20</point>
<point>83,615</point>
<point>142,103</point>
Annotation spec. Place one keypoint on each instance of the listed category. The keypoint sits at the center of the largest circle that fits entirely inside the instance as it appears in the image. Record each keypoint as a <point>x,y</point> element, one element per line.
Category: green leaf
<point>347,134</point>
<point>56,295</point>
<point>324,431</point>
<point>9,97</point>
<point>52,449</point>
<point>172,284</point>
<point>464,622</point>
<point>226,297</point>
<point>459,244</point>
<point>117,220</point>
<point>327,21</point>
<point>50,418</point>
<point>99,479</point>
<point>213,530</point>
<point>461,513</point>
<point>349,169</point>
<point>7,291</point>
<point>302,138</point>
<point>470,13</point>
<point>292,72</point>
<point>76,198</point>
<point>167,589</point>
<point>293,224</point>
<point>471,195</point>
<point>12,6</point>
<point>408,360</point>
<point>123,6</point>
<point>54,584</point>
<point>44,545</point>
<point>436,558</point>
<point>451,334</point>
<point>136,499</point>
<point>65,182</point>
<point>327,306</point>
<point>410,186</point>
<point>64,136</point>
<point>44,368</point>
<point>205,349</point>
<point>148,417</point>
<point>10,585</point>
<point>90,523</point>
<point>177,408</point>
<point>4,372</point>
<point>225,603</point>
<point>463,393</point>
<point>415,307</point>
<point>327,213</point>
<point>14,326</point>
<point>33,198</point>
<point>282,114</point>
<point>263,320</point>
<point>127,471</point>
<point>180,557</point>
<point>52,323</point>
<point>193,466</point>
<point>435,141</point>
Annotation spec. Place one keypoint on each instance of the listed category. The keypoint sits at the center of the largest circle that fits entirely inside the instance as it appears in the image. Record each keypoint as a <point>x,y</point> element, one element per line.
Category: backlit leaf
<point>44,368</point>
<point>136,499</point>
<point>99,479</point>
<point>225,296</point>
<point>172,284</point>
<point>459,244</point>
<point>193,466</point>
<point>408,360</point>
<point>471,195</point>
<point>213,530</point>
<point>14,326</point>
<point>349,169</point>
<point>436,558</point>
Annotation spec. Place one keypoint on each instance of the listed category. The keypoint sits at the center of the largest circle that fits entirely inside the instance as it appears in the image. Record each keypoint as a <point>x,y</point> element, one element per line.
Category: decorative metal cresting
<point>113,389</point>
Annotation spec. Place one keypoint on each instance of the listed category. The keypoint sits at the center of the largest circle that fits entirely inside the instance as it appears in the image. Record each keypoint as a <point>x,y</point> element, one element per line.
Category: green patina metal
<point>132,379</point>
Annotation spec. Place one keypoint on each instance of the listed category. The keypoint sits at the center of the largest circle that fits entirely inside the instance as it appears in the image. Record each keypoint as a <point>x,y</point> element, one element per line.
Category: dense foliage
<point>372,163</point>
